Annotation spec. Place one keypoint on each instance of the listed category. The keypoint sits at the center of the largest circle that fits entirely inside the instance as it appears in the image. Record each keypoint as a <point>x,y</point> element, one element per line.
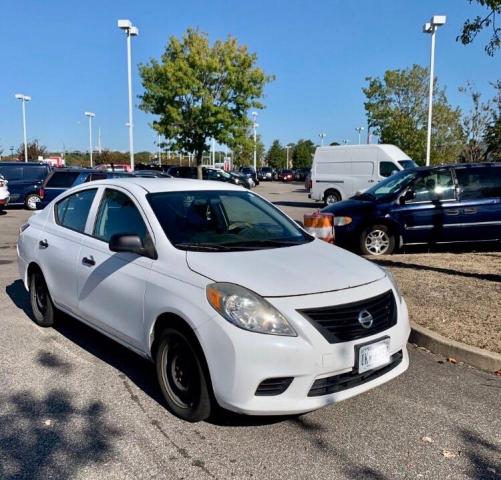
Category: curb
<point>436,343</point>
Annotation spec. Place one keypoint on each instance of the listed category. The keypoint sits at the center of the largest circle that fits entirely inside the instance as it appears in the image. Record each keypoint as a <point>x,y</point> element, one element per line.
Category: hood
<point>313,267</point>
<point>347,207</point>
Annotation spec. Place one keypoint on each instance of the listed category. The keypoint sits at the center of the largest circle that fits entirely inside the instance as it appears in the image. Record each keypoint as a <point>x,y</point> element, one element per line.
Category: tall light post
<point>359,130</point>
<point>24,99</point>
<point>254,127</point>
<point>287,148</point>
<point>431,27</point>
<point>322,136</point>
<point>131,31</point>
<point>90,115</point>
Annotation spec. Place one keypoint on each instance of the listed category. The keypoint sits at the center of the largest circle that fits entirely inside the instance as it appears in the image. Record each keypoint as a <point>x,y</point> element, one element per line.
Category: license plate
<point>373,355</point>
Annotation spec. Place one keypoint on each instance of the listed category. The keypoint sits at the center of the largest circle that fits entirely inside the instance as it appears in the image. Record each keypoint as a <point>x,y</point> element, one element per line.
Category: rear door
<point>479,215</point>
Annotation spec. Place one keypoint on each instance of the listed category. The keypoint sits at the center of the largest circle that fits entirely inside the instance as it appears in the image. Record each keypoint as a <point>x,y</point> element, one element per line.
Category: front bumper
<point>239,360</point>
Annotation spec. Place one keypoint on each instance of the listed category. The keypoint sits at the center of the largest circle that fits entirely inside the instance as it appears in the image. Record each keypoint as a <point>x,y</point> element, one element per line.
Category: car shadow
<point>285,203</point>
<point>482,456</point>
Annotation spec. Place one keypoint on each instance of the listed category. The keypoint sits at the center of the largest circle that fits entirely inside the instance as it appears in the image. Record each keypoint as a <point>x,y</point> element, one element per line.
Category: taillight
<point>2,183</point>
<point>23,227</point>
<point>310,184</point>
<point>41,193</point>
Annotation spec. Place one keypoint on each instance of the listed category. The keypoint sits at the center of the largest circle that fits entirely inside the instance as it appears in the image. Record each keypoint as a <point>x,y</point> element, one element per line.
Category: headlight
<point>342,221</point>
<point>392,279</point>
<point>247,310</point>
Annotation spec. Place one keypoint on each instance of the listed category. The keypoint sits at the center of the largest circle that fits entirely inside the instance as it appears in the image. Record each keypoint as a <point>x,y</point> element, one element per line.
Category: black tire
<point>331,196</point>
<point>183,376</point>
<point>44,312</point>
<point>31,200</point>
<point>377,240</point>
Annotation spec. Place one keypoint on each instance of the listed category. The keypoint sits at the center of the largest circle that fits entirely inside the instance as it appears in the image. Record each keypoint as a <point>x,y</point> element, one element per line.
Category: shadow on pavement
<point>51,437</point>
<point>18,294</point>
<point>285,203</point>
<point>491,277</point>
<point>483,456</point>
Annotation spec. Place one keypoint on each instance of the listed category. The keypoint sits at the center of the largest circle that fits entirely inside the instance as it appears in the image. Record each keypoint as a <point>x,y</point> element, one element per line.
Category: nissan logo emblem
<point>365,319</point>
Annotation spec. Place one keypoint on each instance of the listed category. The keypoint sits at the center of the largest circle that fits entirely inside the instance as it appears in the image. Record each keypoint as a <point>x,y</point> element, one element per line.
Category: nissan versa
<point>197,277</point>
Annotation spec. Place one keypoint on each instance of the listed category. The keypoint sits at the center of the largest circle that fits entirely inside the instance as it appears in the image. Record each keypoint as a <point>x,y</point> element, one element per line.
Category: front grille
<point>338,383</point>
<point>340,323</point>
<point>273,386</point>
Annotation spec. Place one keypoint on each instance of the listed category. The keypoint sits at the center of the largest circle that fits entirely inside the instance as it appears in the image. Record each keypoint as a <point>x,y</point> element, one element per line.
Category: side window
<point>480,182</point>
<point>437,185</point>
<point>72,211</point>
<point>387,168</point>
<point>12,172</point>
<point>35,174</point>
<point>118,215</point>
<point>96,176</point>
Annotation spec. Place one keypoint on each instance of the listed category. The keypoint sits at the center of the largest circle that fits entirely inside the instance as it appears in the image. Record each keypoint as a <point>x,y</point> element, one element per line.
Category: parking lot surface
<point>74,404</point>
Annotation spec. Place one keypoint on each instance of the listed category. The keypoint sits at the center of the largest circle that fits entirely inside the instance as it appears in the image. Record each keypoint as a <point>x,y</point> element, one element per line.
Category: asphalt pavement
<point>74,404</point>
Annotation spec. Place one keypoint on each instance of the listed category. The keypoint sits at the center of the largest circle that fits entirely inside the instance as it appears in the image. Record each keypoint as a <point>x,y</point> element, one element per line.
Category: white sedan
<point>4,193</point>
<point>233,301</point>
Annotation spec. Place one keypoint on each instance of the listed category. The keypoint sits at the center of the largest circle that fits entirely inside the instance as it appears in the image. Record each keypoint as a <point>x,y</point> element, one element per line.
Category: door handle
<point>43,244</point>
<point>469,210</point>
<point>371,181</point>
<point>89,261</point>
<point>452,212</point>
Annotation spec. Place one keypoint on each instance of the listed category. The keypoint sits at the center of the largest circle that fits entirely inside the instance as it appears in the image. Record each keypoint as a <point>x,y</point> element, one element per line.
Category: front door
<point>111,285</point>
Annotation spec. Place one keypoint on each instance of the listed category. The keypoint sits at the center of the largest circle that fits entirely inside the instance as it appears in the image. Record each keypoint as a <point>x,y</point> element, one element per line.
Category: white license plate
<point>373,355</point>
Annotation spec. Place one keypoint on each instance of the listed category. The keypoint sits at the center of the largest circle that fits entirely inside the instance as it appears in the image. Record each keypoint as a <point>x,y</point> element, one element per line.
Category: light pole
<point>91,115</point>
<point>287,147</point>
<point>359,130</point>
<point>131,31</point>
<point>322,136</point>
<point>254,127</point>
<point>24,99</point>
<point>431,27</point>
<point>159,150</point>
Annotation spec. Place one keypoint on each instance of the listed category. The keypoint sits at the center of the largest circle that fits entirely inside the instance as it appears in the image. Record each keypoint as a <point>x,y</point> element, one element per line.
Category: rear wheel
<point>377,240</point>
<point>31,201</point>
<point>182,376</point>
<point>42,307</point>
<point>331,196</point>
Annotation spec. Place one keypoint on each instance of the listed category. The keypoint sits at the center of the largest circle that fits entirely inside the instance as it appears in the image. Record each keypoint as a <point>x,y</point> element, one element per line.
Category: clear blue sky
<point>70,57</point>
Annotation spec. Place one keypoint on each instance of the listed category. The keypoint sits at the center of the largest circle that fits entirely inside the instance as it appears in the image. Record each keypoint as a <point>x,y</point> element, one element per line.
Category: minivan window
<point>62,179</point>
<point>223,220</point>
<point>407,164</point>
<point>479,182</point>
<point>387,168</point>
<point>35,174</point>
<point>72,211</point>
<point>12,172</point>
<point>435,185</point>
<point>118,215</point>
<point>388,187</point>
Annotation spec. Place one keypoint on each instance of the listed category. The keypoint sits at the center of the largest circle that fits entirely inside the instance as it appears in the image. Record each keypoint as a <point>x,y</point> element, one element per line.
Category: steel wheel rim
<point>331,199</point>
<point>32,202</point>
<point>377,242</point>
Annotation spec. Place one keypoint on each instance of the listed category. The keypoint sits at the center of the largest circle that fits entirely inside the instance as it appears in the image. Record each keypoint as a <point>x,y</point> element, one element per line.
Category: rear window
<point>62,179</point>
<point>35,173</point>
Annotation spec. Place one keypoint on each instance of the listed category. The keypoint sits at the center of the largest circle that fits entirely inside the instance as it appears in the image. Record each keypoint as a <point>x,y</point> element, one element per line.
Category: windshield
<point>208,220</point>
<point>390,186</point>
<point>407,164</point>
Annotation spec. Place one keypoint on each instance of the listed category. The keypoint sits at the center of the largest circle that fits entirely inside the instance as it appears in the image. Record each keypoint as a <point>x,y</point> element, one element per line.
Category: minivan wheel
<point>42,307</point>
<point>31,201</point>
<point>181,376</point>
<point>377,240</point>
<point>331,196</point>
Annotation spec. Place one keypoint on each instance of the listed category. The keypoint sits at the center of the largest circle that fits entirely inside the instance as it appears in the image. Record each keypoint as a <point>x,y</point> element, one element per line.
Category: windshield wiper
<point>202,247</point>
<point>270,242</point>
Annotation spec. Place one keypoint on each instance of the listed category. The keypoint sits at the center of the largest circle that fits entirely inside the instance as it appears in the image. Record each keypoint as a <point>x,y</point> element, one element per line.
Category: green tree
<point>276,155</point>
<point>492,136</point>
<point>473,26</point>
<point>201,91</point>
<point>302,156</point>
<point>243,151</point>
<point>397,110</point>
<point>142,157</point>
<point>35,150</point>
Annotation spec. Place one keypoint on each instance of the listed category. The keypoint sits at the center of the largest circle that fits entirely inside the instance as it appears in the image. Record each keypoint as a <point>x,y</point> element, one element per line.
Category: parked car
<point>151,174</point>
<point>307,181</point>
<point>250,173</point>
<point>4,193</point>
<point>443,204</point>
<point>207,174</point>
<point>286,175</point>
<point>151,263</point>
<point>25,180</point>
<point>266,174</point>
<point>340,172</point>
<point>301,173</point>
<point>241,179</point>
<point>62,179</point>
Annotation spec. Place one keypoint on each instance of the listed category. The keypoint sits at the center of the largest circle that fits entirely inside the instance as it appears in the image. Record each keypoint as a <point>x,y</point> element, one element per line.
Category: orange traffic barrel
<point>320,225</point>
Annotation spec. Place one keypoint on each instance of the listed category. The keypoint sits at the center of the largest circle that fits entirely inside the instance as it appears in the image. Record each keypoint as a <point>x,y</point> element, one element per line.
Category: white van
<point>339,172</point>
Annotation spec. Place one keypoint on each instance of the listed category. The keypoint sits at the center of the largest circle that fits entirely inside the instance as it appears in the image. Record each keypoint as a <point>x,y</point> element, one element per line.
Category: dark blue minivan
<point>25,180</point>
<point>454,203</point>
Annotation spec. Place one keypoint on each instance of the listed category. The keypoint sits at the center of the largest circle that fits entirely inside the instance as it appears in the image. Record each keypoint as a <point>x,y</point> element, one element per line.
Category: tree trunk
<point>199,163</point>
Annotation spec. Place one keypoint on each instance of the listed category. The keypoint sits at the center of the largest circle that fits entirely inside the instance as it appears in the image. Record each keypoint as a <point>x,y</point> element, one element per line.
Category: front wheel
<point>331,196</point>
<point>42,307</point>
<point>377,240</point>
<point>31,201</point>
<point>182,377</point>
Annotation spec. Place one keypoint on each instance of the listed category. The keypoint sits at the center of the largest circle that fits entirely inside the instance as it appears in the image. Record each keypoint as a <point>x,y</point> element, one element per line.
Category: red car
<point>286,176</point>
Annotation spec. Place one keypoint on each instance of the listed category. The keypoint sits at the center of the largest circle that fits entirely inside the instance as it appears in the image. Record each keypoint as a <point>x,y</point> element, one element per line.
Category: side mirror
<point>130,243</point>
<point>409,195</point>
<point>393,172</point>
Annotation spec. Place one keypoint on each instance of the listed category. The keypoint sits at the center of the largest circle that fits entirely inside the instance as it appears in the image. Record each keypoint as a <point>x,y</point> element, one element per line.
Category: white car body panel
<point>124,294</point>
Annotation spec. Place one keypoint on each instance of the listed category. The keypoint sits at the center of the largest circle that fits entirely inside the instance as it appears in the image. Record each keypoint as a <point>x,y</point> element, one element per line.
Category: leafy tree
<point>492,136</point>
<point>397,111</point>
<point>142,157</point>
<point>302,156</point>
<point>243,151</point>
<point>35,150</point>
<point>472,27</point>
<point>201,91</point>
<point>276,155</point>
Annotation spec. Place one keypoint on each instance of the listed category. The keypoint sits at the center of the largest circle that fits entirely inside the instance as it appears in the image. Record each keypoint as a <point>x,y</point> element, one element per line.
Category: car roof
<point>456,165</point>
<point>27,164</point>
<point>79,170</point>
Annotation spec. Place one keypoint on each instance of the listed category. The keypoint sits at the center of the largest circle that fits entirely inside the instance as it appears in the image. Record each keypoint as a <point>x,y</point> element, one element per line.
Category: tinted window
<point>35,174</point>
<point>479,182</point>
<point>62,179</point>
<point>12,172</point>
<point>436,185</point>
<point>387,168</point>
<point>96,176</point>
<point>72,212</point>
<point>118,215</point>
